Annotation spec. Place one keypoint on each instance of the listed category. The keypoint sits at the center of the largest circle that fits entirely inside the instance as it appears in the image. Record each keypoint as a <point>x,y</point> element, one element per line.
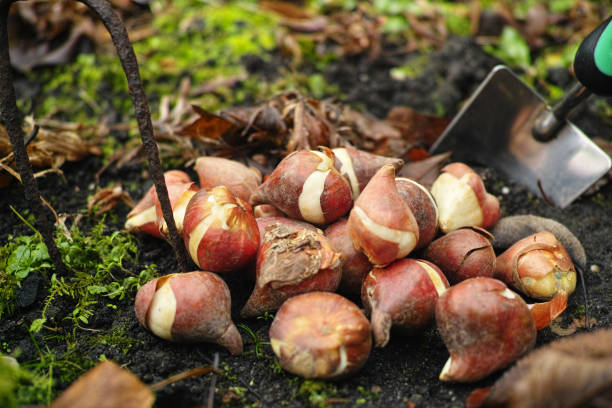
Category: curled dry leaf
<point>104,386</point>
<point>571,372</point>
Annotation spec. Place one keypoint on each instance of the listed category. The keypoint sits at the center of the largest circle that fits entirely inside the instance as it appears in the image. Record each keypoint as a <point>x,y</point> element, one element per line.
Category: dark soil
<point>404,371</point>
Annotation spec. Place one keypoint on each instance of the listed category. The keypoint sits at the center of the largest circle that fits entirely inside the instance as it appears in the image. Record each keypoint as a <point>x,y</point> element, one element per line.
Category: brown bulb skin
<point>485,327</point>
<point>462,254</point>
<point>423,206</point>
<point>241,180</point>
<point>220,231</point>
<point>355,265</point>
<point>402,295</point>
<point>306,186</point>
<point>381,224</point>
<point>320,335</point>
<point>291,260</point>
<point>188,307</point>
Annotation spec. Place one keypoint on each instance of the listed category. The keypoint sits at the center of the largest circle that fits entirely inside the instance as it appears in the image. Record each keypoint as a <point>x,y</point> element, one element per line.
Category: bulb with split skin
<point>220,231</point>
<point>188,307</point>
<point>239,179</point>
<point>463,253</point>
<point>291,260</point>
<point>485,327</point>
<point>306,186</point>
<point>381,224</point>
<point>320,335</point>
<point>143,217</point>
<point>463,200</point>
<point>537,266</point>
<point>402,295</point>
<point>179,195</point>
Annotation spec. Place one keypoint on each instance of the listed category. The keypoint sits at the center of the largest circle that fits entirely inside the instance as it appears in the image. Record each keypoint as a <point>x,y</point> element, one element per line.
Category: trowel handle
<point>593,61</point>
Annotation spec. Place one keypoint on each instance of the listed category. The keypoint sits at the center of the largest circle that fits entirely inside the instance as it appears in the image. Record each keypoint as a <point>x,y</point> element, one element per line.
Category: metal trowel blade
<point>494,129</point>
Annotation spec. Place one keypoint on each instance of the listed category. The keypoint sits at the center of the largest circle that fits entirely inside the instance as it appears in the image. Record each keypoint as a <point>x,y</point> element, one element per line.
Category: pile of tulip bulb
<point>339,219</point>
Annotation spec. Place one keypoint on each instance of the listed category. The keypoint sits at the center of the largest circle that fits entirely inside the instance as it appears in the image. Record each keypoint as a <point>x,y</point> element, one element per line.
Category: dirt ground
<point>407,369</point>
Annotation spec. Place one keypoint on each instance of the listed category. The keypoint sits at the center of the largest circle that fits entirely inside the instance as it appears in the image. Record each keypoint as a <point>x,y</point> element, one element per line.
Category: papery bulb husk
<point>179,194</point>
<point>381,224</point>
<point>402,295</point>
<point>189,307</point>
<point>545,312</point>
<point>355,265</point>
<point>306,186</point>
<point>485,327</point>
<point>359,166</point>
<point>463,200</point>
<point>143,217</point>
<point>220,231</point>
<point>241,180</point>
<point>291,261</point>
<point>538,266</point>
<point>423,207</point>
<point>463,253</point>
<point>320,335</point>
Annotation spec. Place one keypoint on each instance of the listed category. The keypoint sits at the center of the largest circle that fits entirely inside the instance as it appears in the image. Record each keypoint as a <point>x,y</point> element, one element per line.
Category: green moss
<point>316,392</point>
<point>116,338</point>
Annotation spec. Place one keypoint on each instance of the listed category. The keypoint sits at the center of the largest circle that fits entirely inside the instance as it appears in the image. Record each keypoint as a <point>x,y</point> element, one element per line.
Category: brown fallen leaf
<point>106,385</point>
<point>572,372</point>
<point>210,127</point>
<point>417,127</point>
<point>425,171</point>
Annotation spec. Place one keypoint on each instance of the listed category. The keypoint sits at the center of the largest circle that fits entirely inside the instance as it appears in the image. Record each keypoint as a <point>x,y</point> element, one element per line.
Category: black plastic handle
<point>593,61</point>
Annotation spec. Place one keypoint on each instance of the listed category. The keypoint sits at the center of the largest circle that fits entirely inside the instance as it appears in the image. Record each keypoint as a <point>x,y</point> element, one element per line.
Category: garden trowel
<point>507,125</point>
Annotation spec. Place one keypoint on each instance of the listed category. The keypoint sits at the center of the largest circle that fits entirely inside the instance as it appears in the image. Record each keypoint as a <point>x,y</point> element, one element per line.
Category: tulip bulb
<point>359,166</point>
<point>220,231</point>
<point>179,194</point>
<point>462,199</point>
<point>462,254</point>
<point>143,217</point>
<point>402,295</point>
<point>355,264</point>
<point>538,266</point>
<point>422,205</point>
<point>188,307</point>
<point>306,186</point>
<point>320,335</point>
<point>290,261</point>
<point>239,179</point>
<point>381,224</point>
<point>485,327</point>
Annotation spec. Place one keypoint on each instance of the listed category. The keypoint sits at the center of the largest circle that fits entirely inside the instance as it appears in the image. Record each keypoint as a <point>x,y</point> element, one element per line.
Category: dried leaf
<point>106,385</point>
<point>425,171</point>
<point>209,127</point>
<point>417,127</point>
<point>572,372</point>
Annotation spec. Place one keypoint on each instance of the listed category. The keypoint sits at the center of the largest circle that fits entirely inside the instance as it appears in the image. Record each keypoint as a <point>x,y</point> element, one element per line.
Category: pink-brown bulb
<point>538,266</point>
<point>306,186</point>
<point>320,335</point>
<point>143,217</point>
<point>241,180</point>
<point>462,254</point>
<point>291,260</point>
<point>359,166</point>
<point>381,224</point>
<point>463,200</point>
<point>422,205</point>
<point>188,307</point>
<point>485,327</point>
<point>179,194</point>
<point>220,231</point>
<point>355,264</point>
<point>402,295</point>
